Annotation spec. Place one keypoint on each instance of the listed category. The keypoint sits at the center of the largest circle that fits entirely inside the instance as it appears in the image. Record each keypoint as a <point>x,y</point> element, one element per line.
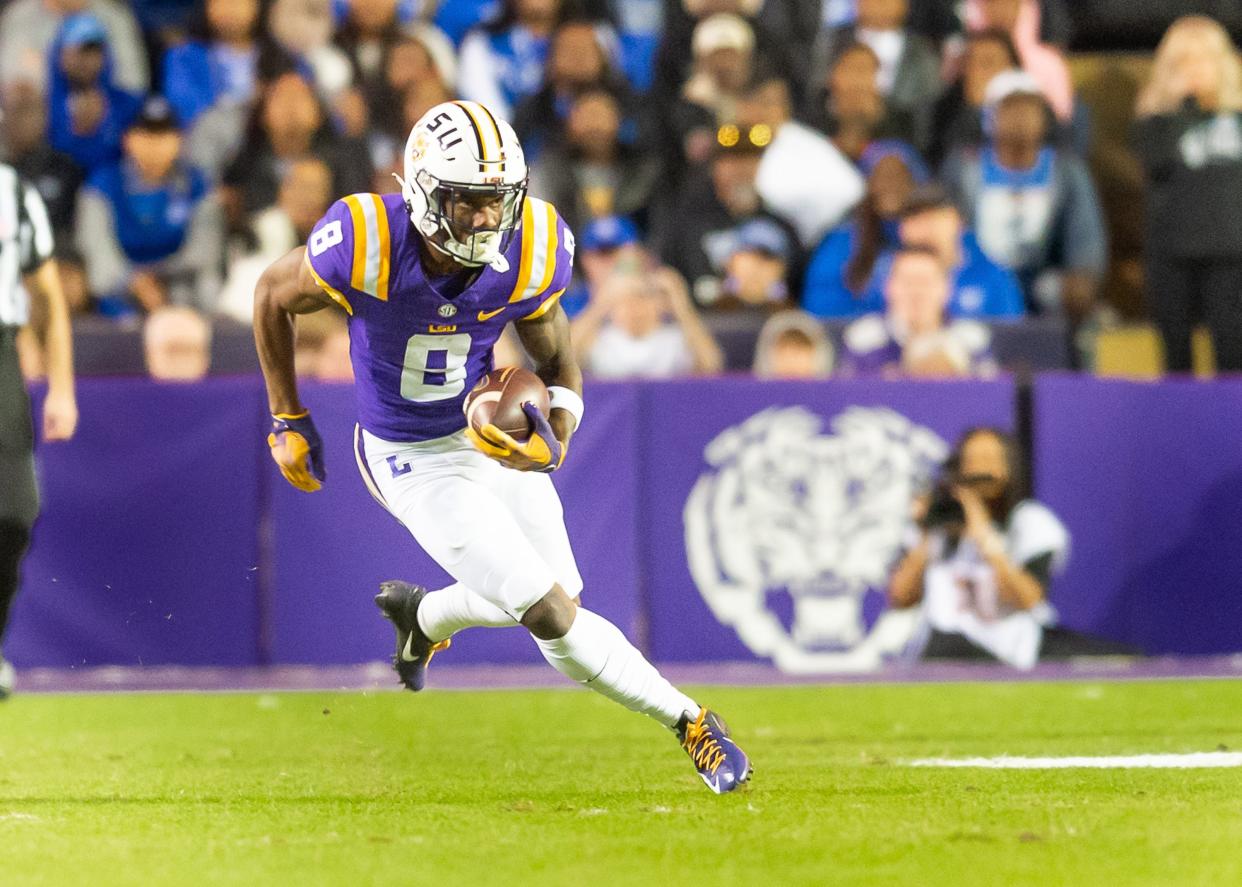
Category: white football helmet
<point>460,151</point>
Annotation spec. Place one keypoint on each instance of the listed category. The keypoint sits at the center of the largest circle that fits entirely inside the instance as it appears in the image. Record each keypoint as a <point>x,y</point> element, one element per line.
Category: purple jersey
<point>416,354</point>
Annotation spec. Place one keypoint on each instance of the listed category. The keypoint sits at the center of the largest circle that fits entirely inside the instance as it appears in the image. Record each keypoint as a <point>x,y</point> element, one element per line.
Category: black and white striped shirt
<point>25,243</point>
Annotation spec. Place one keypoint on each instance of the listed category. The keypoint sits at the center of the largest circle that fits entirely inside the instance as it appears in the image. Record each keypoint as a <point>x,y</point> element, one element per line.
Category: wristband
<point>568,400</point>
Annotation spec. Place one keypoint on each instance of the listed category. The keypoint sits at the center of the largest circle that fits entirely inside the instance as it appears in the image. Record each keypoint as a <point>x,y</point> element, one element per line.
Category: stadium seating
<point>1031,345</point>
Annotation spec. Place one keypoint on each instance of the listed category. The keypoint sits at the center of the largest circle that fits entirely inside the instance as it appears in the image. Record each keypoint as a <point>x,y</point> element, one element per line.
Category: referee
<point>26,266</point>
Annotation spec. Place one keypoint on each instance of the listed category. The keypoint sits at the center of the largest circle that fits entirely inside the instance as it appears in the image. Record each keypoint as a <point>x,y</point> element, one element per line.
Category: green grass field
<point>561,788</point>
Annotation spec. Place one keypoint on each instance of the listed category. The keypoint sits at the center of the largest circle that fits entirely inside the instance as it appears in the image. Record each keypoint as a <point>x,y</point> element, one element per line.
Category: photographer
<point>982,557</point>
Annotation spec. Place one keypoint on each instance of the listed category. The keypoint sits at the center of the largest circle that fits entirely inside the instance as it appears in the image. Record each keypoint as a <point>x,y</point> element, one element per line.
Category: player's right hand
<point>297,450</point>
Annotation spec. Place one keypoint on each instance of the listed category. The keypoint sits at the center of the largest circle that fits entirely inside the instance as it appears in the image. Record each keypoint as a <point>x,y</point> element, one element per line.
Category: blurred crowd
<point>916,168</point>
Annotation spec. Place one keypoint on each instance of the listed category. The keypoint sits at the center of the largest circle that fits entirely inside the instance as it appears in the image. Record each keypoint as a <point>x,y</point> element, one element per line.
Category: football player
<point>429,279</point>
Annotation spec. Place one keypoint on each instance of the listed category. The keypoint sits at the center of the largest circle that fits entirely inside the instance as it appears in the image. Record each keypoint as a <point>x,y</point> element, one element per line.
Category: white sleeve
<point>107,268</point>
<point>23,54</point>
<point>1034,531</point>
<point>808,182</point>
<point>10,55</point>
<point>128,51</point>
<point>201,256</point>
<point>682,362</point>
<point>476,80</point>
<point>868,333</point>
<point>36,239</point>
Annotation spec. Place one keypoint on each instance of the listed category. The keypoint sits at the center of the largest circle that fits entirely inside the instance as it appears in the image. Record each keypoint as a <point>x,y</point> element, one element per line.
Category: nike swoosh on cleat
<point>405,651</point>
<point>488,315</point>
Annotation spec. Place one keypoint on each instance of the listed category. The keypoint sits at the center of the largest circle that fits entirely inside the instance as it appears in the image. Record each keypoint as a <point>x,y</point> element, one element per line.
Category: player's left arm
<point>546,339</point>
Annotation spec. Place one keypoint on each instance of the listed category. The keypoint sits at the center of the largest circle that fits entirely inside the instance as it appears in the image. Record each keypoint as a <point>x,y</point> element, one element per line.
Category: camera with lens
<point>943,509</point>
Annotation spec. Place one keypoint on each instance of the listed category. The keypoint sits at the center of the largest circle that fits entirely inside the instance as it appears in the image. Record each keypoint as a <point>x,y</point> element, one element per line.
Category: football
<point>498,398</point>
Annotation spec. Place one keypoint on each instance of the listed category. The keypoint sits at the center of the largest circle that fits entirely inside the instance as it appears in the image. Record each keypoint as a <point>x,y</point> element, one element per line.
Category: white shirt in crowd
<point>960,595</point>
<point>660,354</point>
<point>275,235</point>
<point>808,182</point>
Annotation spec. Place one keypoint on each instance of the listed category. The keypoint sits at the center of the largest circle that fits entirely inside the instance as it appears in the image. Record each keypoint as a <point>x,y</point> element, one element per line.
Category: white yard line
<point>1193,760</point>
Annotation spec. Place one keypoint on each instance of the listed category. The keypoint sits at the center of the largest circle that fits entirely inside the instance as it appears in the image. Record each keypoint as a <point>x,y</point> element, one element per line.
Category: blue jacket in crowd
<point>197,75</point>
<point>151,222</point>
<point>981,288</point>
<point>103,145</point>
<point>824,291</point>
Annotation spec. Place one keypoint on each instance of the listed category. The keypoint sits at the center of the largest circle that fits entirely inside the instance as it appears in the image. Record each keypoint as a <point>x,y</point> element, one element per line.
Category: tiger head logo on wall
<point>791,532</point>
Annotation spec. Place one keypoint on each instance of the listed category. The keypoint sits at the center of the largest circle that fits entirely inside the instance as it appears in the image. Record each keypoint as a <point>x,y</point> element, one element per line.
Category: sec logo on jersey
<point>447,311</point>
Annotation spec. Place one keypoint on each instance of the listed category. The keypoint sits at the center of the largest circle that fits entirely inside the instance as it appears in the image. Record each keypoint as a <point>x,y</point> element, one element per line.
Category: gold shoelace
<point>436,648</point>
<point>702,746</point>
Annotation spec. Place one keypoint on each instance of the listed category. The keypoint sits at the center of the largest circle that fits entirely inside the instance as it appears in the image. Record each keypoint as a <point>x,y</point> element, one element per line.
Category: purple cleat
<point>722,765</point>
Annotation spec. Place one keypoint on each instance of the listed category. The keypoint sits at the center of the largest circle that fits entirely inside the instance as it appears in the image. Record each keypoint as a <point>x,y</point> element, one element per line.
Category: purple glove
<point>542,438</point>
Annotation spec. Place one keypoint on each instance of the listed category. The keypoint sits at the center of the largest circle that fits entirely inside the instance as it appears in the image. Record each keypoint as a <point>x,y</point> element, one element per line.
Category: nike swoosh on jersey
<point>406,655</point>
<point>488,315</point>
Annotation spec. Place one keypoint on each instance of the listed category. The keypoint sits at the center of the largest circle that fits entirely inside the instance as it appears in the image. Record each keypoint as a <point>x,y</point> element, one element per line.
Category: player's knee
<point>551,616</point>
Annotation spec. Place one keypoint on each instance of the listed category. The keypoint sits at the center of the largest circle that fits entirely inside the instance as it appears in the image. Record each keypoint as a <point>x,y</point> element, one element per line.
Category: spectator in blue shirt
<point>503,62</point>
<point>640,25</point>
<point>87,112</point>
<point>454,17</point>
<point>457,18</point>
<point>840,277</point>
<point>980,288</point>
<point>147,233</point>
<point>1033,203</point>
<point>220,68</point>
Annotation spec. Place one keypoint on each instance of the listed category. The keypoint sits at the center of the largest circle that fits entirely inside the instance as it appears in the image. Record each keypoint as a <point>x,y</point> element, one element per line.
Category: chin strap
<point>499,264</point>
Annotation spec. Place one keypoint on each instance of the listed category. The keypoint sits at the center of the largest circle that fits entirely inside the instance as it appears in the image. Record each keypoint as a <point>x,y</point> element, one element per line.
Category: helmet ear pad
<point>417,202</point>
